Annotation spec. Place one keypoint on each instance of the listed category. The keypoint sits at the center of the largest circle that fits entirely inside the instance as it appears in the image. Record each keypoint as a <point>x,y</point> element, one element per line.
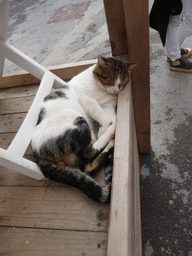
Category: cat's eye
<point>121,86</point>
<point>104,77</point>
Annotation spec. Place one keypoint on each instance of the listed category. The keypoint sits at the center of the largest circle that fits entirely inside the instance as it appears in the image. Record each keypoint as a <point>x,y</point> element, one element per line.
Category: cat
<point>64,143</point>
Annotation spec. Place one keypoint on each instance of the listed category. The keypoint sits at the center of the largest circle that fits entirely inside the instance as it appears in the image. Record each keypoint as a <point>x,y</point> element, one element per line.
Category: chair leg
<point>4,15</point>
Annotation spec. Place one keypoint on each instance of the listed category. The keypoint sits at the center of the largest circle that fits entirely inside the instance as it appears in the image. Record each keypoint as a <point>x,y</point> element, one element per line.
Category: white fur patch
<point>115,88</point>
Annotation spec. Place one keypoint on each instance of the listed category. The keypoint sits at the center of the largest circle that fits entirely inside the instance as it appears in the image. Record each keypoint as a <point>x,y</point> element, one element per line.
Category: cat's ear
<point>102,61</point>
<point>131,65</point>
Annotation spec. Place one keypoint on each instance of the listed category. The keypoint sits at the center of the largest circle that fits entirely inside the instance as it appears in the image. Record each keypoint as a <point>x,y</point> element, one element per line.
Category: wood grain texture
<point>114,12</point>
<point>65,72</point>
<point>124,203</point>
<point>137,24</point>
<point>16,105</point>
<point>11,122</point>
<point>51,207</point>
<point>18,92</point>
<point>129,34</point>
<point>45,242</point>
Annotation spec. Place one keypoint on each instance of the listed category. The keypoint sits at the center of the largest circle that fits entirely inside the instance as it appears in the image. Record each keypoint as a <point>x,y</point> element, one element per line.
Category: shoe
<point>181,65</point>
<point>184,53</point>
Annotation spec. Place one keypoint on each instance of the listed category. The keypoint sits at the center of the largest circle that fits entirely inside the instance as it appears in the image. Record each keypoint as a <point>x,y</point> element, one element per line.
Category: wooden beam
<point>129,34</point>
<point>116,26</point>
<point>64,71</point>
<point>124,235</point>
<point>137,24</point>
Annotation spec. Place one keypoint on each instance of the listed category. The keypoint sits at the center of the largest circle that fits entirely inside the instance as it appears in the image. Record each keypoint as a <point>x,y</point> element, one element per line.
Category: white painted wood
<point>24,135</point>
<point>4,15</point>
<point>13,157</point>
<point>27,63</point>
<point>20,165</point>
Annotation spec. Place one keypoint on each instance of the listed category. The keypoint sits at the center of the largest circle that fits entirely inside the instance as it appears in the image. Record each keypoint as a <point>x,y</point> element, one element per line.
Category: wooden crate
<point>128,29</point>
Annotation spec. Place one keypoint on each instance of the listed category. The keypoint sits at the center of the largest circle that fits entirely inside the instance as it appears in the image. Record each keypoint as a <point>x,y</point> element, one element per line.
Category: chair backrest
<point>13,157</point>
<point>4,15</point>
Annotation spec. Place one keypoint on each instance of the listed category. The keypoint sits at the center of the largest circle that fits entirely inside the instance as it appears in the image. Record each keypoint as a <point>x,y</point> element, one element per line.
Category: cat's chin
<point>113,92</point>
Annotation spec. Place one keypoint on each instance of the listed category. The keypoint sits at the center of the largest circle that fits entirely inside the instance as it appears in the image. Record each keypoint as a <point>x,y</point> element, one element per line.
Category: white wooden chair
<point>13,157</point>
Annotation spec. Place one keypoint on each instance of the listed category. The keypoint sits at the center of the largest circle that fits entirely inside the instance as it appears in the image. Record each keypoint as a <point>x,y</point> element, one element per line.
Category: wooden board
<point>17,105</point>
<point>137,24</point>
<point>116,26</point>
<point>46,242</point>
<point>124,236</point>
<point>65,72</point>
<point>51,207</point>
<point>18,92</point>
<point>11,122</point>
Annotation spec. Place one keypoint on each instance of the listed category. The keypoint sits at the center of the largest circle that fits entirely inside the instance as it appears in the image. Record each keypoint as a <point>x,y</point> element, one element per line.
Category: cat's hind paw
<point>108,174</point>
<point>108,168</point>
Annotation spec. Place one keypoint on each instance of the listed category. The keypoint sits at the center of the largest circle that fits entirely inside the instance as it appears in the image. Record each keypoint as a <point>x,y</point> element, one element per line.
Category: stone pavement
<point>63,31</point>
<point>56,32</point>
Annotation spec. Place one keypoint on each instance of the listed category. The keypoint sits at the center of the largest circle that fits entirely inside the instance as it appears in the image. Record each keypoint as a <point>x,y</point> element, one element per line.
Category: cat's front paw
<point>104,128</point>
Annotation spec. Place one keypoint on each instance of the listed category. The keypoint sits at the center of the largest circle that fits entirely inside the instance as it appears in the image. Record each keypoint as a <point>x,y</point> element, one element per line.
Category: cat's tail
<point>78,179</point>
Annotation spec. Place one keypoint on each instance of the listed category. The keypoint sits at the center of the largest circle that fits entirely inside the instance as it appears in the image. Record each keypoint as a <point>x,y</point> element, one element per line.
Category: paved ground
<point>37,28</point>
<point>58,32</point>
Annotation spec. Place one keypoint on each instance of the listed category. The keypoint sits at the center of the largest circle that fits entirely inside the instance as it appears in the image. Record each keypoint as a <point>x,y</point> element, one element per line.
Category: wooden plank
<point>45,242</point>
<point>137,24</point>
<point>11,122</point>
<point>51,207</point>
<point>18,92</point>
<point>116,26</point>
<point>16,105</point>
<point>6,139</point>
<point>9,178</point>
<point>65,72</point>
<point>137,202</point>
<point>122,228</point>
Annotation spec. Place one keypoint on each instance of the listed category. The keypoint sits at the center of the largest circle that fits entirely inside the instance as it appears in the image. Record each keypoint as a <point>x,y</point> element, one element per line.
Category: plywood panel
<point>45,242</point>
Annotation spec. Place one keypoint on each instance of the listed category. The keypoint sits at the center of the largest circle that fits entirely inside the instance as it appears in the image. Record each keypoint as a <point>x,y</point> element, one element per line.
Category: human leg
<point>185,27</point>
<point>172,43</point>
<point>176,33</point>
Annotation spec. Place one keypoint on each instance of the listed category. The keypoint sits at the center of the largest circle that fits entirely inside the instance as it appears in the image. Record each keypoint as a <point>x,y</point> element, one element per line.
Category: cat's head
<point>113,74</point>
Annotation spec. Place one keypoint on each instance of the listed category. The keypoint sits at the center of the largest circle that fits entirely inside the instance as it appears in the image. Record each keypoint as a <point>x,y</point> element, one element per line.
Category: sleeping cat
<point>64,143</point>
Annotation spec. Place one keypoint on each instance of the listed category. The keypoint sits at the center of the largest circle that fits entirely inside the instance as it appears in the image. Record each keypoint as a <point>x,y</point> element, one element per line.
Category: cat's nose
<point>115,91</point>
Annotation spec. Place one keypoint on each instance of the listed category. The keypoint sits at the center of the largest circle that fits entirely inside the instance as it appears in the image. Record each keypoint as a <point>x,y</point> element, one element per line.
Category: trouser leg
<point>172,37</point>
<point>185,27</point>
